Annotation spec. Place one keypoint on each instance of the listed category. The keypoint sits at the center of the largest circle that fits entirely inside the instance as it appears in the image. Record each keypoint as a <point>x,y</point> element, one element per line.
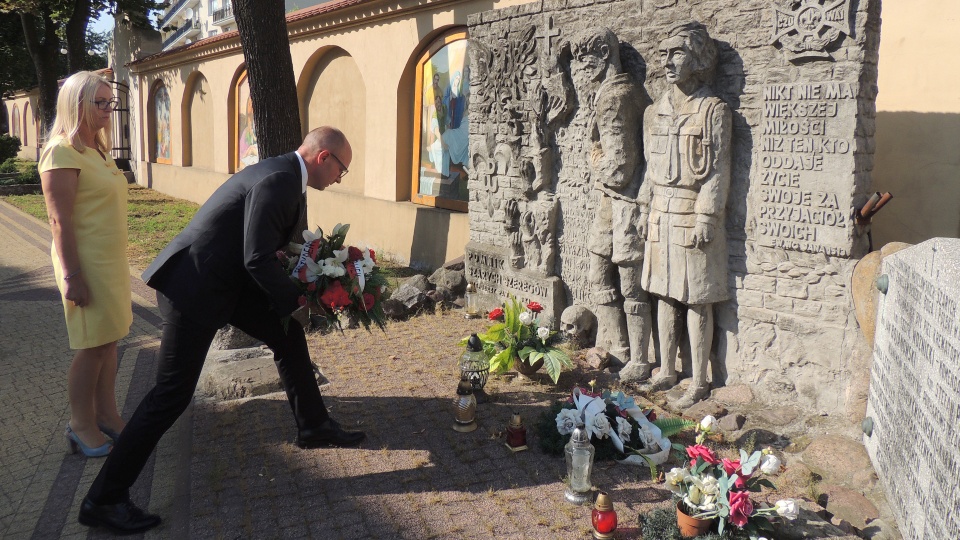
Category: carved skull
<point>580,324</point>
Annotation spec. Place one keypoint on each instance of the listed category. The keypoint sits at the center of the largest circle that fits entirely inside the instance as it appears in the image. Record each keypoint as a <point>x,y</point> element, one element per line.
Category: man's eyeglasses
<point>107,104</point>
<point>343,168</point>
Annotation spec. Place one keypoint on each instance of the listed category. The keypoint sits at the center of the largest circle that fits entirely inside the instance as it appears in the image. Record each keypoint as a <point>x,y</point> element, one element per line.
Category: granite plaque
<point>914,400</point>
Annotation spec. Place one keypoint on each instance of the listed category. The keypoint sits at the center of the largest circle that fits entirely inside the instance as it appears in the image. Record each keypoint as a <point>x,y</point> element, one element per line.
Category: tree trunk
<point>273,90</point>
<point>76,33</point>
<point>262,26</point>
<point>44,54</point>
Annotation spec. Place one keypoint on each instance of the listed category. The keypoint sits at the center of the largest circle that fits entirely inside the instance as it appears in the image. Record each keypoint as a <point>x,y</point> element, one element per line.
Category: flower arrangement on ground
<point>340,279</point>
<point>518,337</point>
<point>618,428</point>
<point>710,487</point>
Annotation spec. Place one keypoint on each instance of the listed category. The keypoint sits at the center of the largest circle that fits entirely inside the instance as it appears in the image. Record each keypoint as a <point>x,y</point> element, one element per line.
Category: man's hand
<point>702,234</point>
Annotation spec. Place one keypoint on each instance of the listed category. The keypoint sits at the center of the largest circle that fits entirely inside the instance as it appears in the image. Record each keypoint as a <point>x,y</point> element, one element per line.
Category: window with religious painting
<point>246,142</point>
<point>161,125</point>
<point>15,122</point>
<point>442,127</point>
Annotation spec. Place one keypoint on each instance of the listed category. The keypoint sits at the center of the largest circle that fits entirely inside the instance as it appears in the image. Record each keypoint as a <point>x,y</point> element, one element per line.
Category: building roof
<point>292,17</point>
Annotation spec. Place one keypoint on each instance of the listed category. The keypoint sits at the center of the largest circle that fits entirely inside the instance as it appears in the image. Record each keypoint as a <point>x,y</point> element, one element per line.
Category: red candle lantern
<point>516,434</point>
<point>604,517</point>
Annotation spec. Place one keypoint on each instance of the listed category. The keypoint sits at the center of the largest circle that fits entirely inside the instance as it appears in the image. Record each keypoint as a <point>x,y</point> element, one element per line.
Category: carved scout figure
<point>686,136</point>
<point>615,159</point>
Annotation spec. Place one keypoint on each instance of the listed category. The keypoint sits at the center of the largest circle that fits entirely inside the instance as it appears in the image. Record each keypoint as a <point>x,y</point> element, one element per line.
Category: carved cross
<point>548,32</point>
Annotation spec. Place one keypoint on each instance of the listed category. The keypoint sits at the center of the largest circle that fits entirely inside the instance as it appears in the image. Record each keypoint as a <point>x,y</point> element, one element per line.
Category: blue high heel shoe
<point>74,444</point>
<point>111,434</point>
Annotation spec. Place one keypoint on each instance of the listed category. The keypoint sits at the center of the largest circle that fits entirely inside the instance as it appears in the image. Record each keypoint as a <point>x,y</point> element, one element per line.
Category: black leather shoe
<point>120,518</point>
<point>328,433</point>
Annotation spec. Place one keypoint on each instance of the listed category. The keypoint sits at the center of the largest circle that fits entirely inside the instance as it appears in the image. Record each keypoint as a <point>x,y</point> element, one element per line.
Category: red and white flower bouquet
<point>341,279</point>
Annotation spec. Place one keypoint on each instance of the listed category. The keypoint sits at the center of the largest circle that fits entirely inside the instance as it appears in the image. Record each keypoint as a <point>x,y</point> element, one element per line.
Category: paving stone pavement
<point>229,469</point>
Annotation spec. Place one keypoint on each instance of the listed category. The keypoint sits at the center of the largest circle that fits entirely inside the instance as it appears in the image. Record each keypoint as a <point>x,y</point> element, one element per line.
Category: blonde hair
<point>75,108</point>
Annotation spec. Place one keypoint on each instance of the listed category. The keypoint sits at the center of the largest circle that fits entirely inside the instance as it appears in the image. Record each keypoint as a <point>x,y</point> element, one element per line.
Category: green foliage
<point>671,426</point>
<point>515,341</point>
<point>661,524</point>
<point>9,166</point>
<point>9,146</point>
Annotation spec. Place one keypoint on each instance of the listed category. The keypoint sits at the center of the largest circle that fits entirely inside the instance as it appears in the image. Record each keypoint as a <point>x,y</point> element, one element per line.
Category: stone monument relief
<point>914,404</point>
<point>683,170</point>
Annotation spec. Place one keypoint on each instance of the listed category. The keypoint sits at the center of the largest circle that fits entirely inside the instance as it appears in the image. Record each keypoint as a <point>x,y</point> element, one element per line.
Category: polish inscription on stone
<point>806,144</point>
<point>914,397</point>
<point>488,267</point>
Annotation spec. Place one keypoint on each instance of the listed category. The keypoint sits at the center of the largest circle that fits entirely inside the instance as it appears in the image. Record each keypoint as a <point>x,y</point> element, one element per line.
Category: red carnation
<point>354,254</point>
<point>302,301</point>
<point>312,286</point>
<point>495,314</point>
<point>368,301</point>
<point>335,296</point>
<point>373,255</point>
<point>535,307</point>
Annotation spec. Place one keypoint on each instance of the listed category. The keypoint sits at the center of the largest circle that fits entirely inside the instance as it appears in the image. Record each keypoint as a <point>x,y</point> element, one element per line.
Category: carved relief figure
<point>615,245</point>
<point>686,136</point>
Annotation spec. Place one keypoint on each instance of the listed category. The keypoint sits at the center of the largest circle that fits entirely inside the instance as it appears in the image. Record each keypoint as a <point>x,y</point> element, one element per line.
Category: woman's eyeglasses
<point>107,104</point>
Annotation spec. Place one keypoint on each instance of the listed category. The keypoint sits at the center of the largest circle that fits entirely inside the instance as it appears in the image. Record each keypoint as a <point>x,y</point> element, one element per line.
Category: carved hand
<point>702,234</point>
<point>642,226</point>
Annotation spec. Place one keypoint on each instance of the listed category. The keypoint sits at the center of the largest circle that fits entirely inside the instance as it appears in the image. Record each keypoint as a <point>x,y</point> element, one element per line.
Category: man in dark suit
<point>223,269</point>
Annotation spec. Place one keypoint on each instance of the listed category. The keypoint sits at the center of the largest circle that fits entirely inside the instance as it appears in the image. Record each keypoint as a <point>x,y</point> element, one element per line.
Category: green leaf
<point>751,463</point>
<point>766,483</point>
<point>501,361</point>
<point>652,466</point>
<point>671,426</point>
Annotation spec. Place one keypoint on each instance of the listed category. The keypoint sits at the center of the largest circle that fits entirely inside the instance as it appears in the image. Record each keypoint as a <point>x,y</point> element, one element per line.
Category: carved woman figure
<point>686,140</point>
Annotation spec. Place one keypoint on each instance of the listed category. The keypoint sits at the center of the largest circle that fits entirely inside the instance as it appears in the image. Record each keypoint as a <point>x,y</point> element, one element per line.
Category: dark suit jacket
<point>229,248</point>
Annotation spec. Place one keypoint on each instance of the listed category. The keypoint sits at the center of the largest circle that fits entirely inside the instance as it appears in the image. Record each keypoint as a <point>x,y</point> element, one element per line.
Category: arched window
<point>441,124</point>
<point>198,124</point>
<point>15,122</point>
<point>160,110</point>
<point>247,152</point>
<point>28,125</point>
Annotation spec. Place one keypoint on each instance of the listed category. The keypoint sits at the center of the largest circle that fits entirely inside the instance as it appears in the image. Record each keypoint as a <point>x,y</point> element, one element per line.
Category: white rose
<point>600,426</point>
<point>624,428</point>
<point>567,421</point>
<point>648,438</point>
<point>675,479</point>
<point>710,486</point>
<point>526,317</point>
<point>788,508</point>
<point>708,423</point>
<point>543,333</point>
<point>770,464</point>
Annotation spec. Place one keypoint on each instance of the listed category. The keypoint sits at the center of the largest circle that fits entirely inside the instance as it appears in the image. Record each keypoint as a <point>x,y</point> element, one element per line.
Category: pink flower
<point>733,467</point>
<point>535,307</point>
<point>702,452</point>
<point>740,508</point>
<point>495,314</point>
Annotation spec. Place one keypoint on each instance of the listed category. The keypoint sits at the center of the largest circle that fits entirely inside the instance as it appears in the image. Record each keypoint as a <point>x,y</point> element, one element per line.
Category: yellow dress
<point>100,224</point>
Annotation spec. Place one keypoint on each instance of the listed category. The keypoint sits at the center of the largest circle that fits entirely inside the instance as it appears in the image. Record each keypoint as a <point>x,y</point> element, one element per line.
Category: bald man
<point>223,269</point>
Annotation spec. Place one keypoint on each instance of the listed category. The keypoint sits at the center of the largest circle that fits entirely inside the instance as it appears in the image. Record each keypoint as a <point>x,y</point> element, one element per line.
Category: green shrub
<point>9,166</point>
<point>9,146</point>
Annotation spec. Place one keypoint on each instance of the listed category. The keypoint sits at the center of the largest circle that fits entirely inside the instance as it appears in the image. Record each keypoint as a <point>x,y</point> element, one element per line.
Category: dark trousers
<point>183,349</point>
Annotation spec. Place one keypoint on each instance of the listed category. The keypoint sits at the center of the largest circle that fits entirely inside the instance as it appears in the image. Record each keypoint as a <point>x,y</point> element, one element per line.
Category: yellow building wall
<point>918,121</point>
<point>354,70</point>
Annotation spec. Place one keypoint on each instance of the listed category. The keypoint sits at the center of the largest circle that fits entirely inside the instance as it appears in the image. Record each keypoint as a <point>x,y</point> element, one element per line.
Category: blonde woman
<point>86,198</point>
